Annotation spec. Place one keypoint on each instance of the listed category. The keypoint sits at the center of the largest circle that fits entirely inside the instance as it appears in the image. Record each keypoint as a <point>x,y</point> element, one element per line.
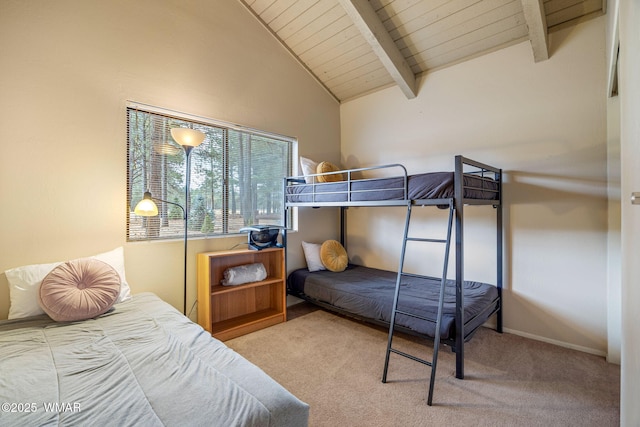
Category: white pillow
<point>308,168</point>
<point>24,283</point>
<point>312,255</point>
<point>115,259</point>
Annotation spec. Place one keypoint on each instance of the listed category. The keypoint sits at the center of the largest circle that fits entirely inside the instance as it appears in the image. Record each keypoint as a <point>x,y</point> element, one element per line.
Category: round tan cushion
<point>324,167</point>
<point>334,256</point>
<point>79,289</point>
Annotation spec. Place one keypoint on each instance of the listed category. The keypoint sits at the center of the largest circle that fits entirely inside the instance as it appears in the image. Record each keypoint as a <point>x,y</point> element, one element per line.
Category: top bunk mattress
<point>369,292</point>
<point>425,186</point>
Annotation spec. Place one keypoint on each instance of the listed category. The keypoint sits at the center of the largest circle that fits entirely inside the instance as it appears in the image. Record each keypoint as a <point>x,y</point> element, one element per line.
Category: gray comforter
<point>141,364</point>
<point>368,293</point>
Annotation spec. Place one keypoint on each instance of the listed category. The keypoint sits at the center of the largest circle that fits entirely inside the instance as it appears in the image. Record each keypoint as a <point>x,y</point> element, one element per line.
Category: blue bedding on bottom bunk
<point>368,292</point>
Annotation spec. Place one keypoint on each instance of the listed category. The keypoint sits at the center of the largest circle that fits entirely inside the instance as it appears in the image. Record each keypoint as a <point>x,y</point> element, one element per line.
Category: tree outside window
<point>236,177</point>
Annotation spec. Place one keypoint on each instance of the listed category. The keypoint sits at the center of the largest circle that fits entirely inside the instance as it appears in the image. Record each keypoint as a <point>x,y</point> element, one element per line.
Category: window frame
<point>291,152</point>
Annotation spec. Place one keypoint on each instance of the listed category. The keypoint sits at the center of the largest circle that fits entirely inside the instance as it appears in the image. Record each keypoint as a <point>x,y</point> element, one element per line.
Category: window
<point>236,176</point>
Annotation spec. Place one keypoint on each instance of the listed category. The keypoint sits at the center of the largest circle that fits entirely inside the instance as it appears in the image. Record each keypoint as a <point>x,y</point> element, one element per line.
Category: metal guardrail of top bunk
<point>487,175</point>
<point>348,192</point>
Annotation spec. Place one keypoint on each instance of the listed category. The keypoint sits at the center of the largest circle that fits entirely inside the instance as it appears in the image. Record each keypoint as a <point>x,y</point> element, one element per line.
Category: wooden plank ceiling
<point>354,47</point>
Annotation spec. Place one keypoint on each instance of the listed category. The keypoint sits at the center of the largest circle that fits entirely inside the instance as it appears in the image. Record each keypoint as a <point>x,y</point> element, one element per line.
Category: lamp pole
<point>188,140</point>
<point>187,153</point>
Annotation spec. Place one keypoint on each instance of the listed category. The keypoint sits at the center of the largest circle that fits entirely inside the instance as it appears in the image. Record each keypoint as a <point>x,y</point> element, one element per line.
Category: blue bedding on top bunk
<point>368,292</point>
<point>433,185</point>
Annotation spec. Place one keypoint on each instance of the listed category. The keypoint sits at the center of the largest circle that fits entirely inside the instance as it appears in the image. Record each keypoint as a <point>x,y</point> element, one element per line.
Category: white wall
<point>545,125</point>
<point>68,69</point>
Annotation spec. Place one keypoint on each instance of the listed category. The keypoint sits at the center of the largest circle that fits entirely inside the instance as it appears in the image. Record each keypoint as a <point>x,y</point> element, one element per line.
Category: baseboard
<point>556,342</point>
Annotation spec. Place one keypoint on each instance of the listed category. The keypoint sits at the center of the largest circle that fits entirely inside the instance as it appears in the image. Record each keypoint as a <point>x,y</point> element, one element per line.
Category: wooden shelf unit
<point>230,311</point>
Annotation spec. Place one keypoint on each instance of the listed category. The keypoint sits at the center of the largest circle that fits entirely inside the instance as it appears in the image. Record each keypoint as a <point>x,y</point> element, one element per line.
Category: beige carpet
<point>335,365</point>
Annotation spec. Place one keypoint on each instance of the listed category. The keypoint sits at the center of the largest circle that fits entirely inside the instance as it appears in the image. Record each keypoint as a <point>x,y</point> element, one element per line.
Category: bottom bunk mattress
<point>368,293</point>
<point>143,363</point>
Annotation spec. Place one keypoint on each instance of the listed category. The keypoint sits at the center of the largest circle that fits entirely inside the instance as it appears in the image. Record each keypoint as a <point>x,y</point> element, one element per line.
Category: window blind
<point>236,176</point>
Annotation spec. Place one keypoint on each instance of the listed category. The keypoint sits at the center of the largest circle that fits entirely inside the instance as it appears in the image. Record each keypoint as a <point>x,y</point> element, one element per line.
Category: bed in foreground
<point>142,363</point>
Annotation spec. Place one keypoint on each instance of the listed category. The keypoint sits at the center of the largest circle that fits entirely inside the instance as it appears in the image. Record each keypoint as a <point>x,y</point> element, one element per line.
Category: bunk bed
<point>447,311</point>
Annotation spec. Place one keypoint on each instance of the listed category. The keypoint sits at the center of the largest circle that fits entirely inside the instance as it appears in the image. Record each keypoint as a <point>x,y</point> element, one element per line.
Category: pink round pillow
<point>79,290</point>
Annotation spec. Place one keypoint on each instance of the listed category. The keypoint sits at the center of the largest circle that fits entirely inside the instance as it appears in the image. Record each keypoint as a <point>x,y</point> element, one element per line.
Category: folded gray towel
<point>244,274</point>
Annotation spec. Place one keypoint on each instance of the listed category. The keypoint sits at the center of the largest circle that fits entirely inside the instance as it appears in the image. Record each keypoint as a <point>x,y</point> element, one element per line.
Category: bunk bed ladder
<point>395,311</point>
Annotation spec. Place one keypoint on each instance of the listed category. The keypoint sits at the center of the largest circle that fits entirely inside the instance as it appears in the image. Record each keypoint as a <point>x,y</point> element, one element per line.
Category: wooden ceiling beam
<point>537,22</point>
<point>368,23</point>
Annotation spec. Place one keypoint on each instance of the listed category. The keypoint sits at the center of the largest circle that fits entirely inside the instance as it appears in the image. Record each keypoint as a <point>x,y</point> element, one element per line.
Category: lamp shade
<point>146,206</point>
<point>187,137</point>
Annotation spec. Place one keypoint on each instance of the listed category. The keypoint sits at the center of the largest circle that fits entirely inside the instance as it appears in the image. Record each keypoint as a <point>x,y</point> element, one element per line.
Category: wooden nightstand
<point>230,311</point>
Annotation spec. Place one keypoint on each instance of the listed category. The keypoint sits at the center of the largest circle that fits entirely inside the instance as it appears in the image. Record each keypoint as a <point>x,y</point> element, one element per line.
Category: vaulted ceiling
<point>354,47</point>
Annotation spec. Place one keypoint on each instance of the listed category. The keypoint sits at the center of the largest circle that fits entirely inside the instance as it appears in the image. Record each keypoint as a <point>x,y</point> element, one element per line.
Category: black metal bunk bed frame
<point>456,206</point>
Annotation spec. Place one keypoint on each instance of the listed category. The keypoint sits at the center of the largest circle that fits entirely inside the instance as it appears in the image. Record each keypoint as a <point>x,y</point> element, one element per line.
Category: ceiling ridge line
<point>291,52</point>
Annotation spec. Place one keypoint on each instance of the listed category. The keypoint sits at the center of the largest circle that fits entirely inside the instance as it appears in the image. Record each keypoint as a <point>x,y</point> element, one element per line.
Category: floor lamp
<point>188,140</point>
